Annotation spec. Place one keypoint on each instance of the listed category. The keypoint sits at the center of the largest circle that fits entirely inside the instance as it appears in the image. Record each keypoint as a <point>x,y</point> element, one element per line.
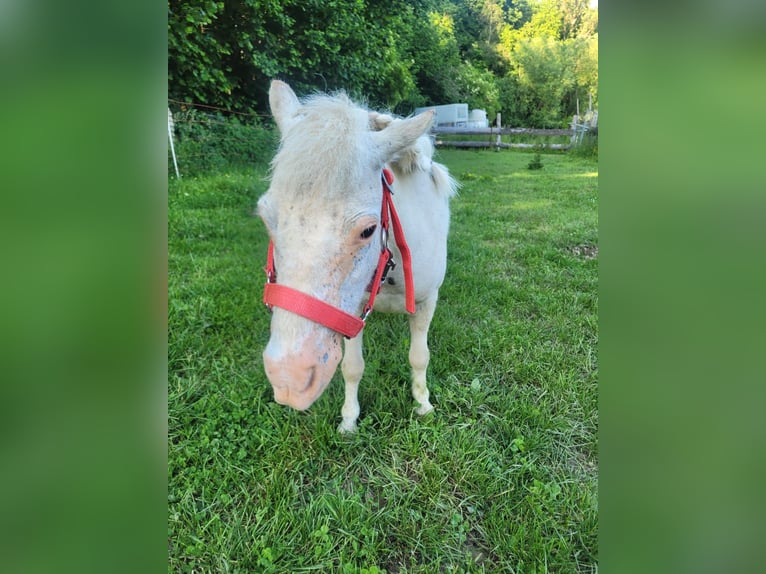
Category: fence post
<point>172,148</point>
<point>573,138</point>
<point>499,125</point>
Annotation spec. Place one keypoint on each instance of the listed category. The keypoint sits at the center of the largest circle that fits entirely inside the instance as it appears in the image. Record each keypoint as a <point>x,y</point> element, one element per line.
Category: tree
<point>552,61</point>
<point>576,19</point>
<point>435,57</point>
<point>195,55</point>
<point>583,58</point>
<point>531,59</point>
<point>478,88</point>
<point>544,73</point>
<point>546,21</point>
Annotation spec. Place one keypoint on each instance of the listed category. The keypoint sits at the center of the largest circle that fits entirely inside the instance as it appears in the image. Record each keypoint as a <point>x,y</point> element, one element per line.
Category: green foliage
<point>529,60</point>
<point>546,21</point>
<point>545,75</point>
<point>207,142</point>
<point>535,163</point>
<point>478,88</point>
<point>584,60</point>
<point>196,57</point>
<point>433,51</point>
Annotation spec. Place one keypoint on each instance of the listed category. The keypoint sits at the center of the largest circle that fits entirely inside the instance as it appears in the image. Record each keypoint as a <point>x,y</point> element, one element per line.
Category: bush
<point>207,143</point>
<point>535,162</point>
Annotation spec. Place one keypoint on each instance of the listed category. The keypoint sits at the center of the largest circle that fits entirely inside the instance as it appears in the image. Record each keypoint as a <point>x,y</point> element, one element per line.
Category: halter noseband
<point>284,297</point>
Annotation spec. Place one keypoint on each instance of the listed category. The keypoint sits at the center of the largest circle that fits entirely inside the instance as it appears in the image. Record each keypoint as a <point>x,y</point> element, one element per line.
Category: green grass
<point>502,477</point>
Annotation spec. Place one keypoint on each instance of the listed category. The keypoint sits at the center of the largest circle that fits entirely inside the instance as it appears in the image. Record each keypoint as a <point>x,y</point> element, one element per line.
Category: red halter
<point>331,317</point>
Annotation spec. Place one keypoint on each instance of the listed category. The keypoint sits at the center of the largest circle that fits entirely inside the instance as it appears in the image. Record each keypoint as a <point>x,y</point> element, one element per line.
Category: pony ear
<point>399,135</point>
<point>379,121</point>
<point>284,104</point>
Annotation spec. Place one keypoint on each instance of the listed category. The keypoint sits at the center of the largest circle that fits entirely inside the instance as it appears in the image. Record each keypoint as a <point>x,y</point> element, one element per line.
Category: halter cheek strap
<point>388,214</point>
<point>284,297</point>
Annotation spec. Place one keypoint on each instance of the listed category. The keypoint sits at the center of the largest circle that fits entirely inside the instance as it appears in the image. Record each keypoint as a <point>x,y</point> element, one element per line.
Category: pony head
<point>322,211</point>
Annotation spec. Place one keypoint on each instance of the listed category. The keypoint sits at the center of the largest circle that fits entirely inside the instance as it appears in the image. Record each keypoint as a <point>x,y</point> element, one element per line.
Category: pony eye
<point>367,233</point>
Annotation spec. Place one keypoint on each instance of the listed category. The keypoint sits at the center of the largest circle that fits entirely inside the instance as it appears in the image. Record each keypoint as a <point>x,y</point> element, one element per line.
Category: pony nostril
<point>311,380</point>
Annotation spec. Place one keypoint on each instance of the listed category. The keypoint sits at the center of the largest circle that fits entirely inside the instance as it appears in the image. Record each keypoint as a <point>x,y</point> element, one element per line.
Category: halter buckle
<point>390,264</point>
<point>365,313</point>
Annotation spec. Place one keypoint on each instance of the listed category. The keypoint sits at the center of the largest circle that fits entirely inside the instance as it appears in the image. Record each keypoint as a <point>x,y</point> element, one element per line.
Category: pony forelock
<point>323,147</point>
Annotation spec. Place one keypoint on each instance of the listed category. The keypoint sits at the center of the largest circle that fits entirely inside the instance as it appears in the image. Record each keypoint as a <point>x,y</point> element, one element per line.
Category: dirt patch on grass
<point>585,251</point>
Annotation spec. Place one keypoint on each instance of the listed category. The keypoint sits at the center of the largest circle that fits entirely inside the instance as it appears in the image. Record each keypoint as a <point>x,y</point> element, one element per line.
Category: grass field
<point>502,477</point>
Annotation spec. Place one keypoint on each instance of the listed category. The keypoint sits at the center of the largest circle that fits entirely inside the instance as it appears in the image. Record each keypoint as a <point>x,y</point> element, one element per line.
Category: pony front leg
<point>419,353</point>
<point>352,368</point>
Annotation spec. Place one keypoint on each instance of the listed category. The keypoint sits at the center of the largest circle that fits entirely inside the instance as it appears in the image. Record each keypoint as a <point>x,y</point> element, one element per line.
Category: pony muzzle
<point>299,380</point>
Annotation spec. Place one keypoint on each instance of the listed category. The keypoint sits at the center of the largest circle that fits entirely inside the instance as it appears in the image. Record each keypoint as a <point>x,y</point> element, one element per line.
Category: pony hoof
<point>424,409</point>
<point>347,428</point>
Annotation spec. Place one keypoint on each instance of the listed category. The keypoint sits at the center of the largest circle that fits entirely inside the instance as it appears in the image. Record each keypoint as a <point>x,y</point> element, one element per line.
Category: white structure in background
<point>457,116</point>
<point>478,119</point>
<point>450,115</point>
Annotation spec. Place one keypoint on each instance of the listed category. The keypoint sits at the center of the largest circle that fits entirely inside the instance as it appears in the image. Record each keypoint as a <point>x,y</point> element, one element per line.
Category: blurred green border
<point>83,184</point>
<point>682,196</point>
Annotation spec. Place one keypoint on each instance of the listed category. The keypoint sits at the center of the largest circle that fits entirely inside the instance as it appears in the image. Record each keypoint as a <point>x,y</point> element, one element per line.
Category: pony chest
<point>390,300</point>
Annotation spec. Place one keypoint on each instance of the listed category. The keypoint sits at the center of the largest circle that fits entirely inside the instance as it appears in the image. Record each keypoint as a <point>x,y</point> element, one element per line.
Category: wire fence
<point>183,106</point>
<point>204,138</point>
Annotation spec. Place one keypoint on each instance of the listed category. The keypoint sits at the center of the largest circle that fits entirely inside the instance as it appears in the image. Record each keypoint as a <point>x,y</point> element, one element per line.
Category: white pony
<point>326,213</point>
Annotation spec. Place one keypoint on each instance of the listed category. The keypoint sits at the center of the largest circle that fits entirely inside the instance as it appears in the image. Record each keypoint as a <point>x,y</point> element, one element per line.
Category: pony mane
<point>323,148</point>
<point>418,156</point>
